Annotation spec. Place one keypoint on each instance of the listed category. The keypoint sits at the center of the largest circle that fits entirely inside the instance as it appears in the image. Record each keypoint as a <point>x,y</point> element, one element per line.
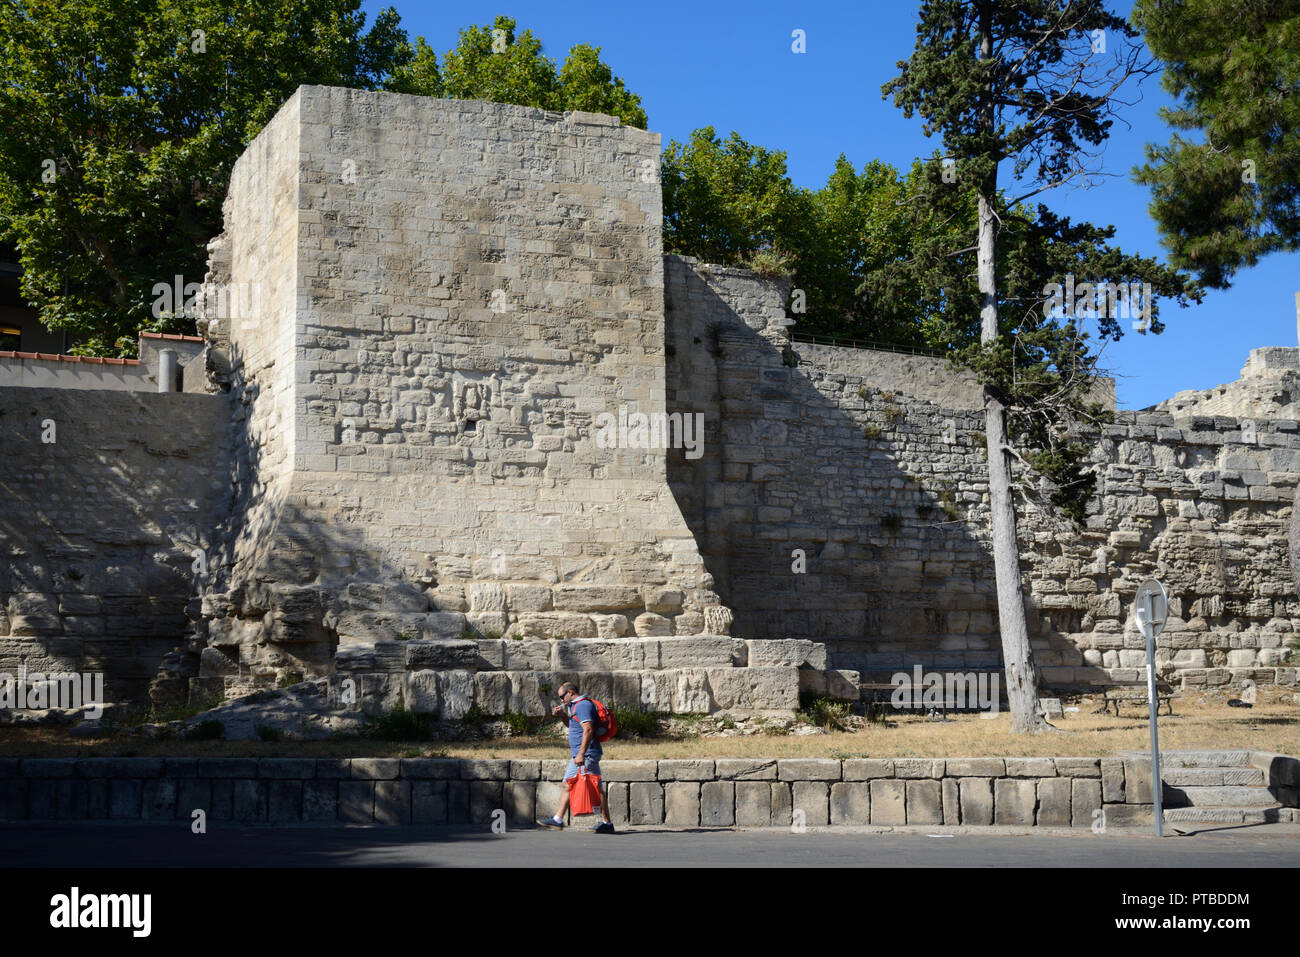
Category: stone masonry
<point>386,473</point>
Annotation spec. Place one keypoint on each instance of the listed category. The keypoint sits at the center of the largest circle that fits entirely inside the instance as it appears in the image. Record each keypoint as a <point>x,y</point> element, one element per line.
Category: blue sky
<point>729,65</point>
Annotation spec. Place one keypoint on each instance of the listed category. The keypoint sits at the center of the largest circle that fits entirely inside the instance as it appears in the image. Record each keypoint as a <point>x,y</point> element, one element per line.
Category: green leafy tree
<point>497,62</point>
<point>730,202</point>
<point>1027,83</point>
<point>122,120</point>
<point>1234,68</point>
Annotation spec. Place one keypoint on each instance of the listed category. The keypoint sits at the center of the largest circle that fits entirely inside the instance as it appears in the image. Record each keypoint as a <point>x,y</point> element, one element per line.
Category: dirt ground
<point>1200,720</point>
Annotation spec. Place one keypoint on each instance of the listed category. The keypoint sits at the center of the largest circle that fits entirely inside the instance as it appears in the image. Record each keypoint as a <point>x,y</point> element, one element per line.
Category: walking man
<point>584,752</point>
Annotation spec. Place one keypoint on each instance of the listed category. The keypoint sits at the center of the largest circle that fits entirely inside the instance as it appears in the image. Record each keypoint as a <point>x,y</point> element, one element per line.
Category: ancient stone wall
<point>99,527</point>
<point>457,291</point>
<point>881,498</point>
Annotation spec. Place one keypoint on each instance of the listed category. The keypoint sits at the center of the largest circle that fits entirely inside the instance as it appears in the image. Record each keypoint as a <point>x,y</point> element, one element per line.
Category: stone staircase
<point>1223,787</point>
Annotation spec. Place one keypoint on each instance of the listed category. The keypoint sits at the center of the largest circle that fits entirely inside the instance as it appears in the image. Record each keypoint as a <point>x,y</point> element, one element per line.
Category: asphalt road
<point>78,845</point>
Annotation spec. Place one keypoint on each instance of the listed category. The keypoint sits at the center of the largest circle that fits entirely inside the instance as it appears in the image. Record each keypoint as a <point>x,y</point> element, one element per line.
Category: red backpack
<point>606,726</point>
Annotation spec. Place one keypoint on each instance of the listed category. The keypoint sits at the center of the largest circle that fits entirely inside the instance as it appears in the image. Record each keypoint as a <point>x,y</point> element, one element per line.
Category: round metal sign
<point>1151,600</point>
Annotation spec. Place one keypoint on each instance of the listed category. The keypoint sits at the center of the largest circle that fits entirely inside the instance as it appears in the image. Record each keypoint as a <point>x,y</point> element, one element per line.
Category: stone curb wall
<point>722,792</point>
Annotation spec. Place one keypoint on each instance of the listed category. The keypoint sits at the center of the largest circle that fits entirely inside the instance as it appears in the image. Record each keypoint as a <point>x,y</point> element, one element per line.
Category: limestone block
<point>492,692</point>
<point>629,770</point>
<point>616,795</point>
<point>486,596</point>
<point>1054,802</point>
<point>33,613</point>
<point>449,598</point>
<point>813,799</point>
<point>645,803</point>
<point>1085,799</point>
<point>1112,781</point>
<point>753,804</point>
<point>976,801</point>
<point>1078,767</point>
<point>850,803</point>
<point>918,768</point>
<point>591,598</point>
<point>371,626</point>
<point>924,802</point>
<point>528,598</point>
<point>686,769</point>
<point>682,804</point>
<point>754,689</point>
<point>865,769</point>
<point>745,769</point>
<point>520,803</point>
<point>1013,801</point>
<point>809,769</point>
<point>580,655</point>
<point>377,596</point>
<point>488,622</point>
<point>445,625</point>
<point>526,694</point>
<point>445,654</point>
<point>1241,658</point>
<point>975,767</point>
<point>649,625</point>
<point>691,692</point>
<point>717,804</point>
<point>782,804</point>
<point>611,626</point>
<point>527,655</point>
<point>455,693</point>
<point>420,692</point>
<point>663,601</point>
<point>688,623</point>
<point>951,801</point>
<point>787,653</point>
<point>1030,768</point>
<point>553,625</point>
<point>717,619</point>
<point>692,652</point>
<point>888,802</point>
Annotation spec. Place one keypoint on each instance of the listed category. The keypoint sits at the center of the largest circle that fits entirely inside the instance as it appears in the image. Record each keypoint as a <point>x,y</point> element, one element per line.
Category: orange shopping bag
<point>584,793</point>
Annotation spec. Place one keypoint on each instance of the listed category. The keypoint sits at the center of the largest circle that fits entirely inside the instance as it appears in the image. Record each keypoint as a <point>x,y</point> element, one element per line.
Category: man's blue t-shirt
<point>583,710</point>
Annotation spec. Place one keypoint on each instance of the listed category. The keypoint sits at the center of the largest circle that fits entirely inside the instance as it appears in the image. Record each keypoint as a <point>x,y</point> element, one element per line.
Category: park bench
<point>1135,692</point>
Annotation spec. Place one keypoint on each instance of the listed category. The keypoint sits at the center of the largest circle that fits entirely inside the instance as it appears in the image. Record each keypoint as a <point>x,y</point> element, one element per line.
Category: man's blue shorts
<point>592,766</point>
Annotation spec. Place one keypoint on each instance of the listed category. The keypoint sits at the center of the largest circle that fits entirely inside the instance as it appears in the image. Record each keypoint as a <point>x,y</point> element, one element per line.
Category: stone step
<point>1220,796</point>
<point>1230,815</point>
<point>1206,777</point>
<point>1200,759</point>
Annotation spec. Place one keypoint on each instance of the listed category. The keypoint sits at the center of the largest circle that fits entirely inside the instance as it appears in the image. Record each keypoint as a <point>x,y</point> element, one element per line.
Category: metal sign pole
<point>1148,629</point>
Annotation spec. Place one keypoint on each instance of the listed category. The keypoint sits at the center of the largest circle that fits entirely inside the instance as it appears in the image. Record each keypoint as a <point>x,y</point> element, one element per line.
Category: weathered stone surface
<point>1054,809</point>
<point>808,769</point>
<point>1112,781</point>
<point>924,802</point>
<point>629,770</point>
<point>753,804</point>
<point>975,767</point>
<point>690,769</point>
<point>745,769</point>
<point>1014,801</point>
<point>864,769</point>
<point>717,804</point>
<point>813,799</point>
<point>888,802</point>
<point>645,801</point>
<point>918,768</point>
<point>976,800</point>
<point>850,802</point>
<point>1030,768</point>
<point>951,801</point>
<point>682,804</point>
<point>1085,801</point>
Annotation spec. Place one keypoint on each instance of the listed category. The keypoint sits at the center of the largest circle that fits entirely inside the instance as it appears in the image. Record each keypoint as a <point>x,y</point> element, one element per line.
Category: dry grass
<point>1200,721</point>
